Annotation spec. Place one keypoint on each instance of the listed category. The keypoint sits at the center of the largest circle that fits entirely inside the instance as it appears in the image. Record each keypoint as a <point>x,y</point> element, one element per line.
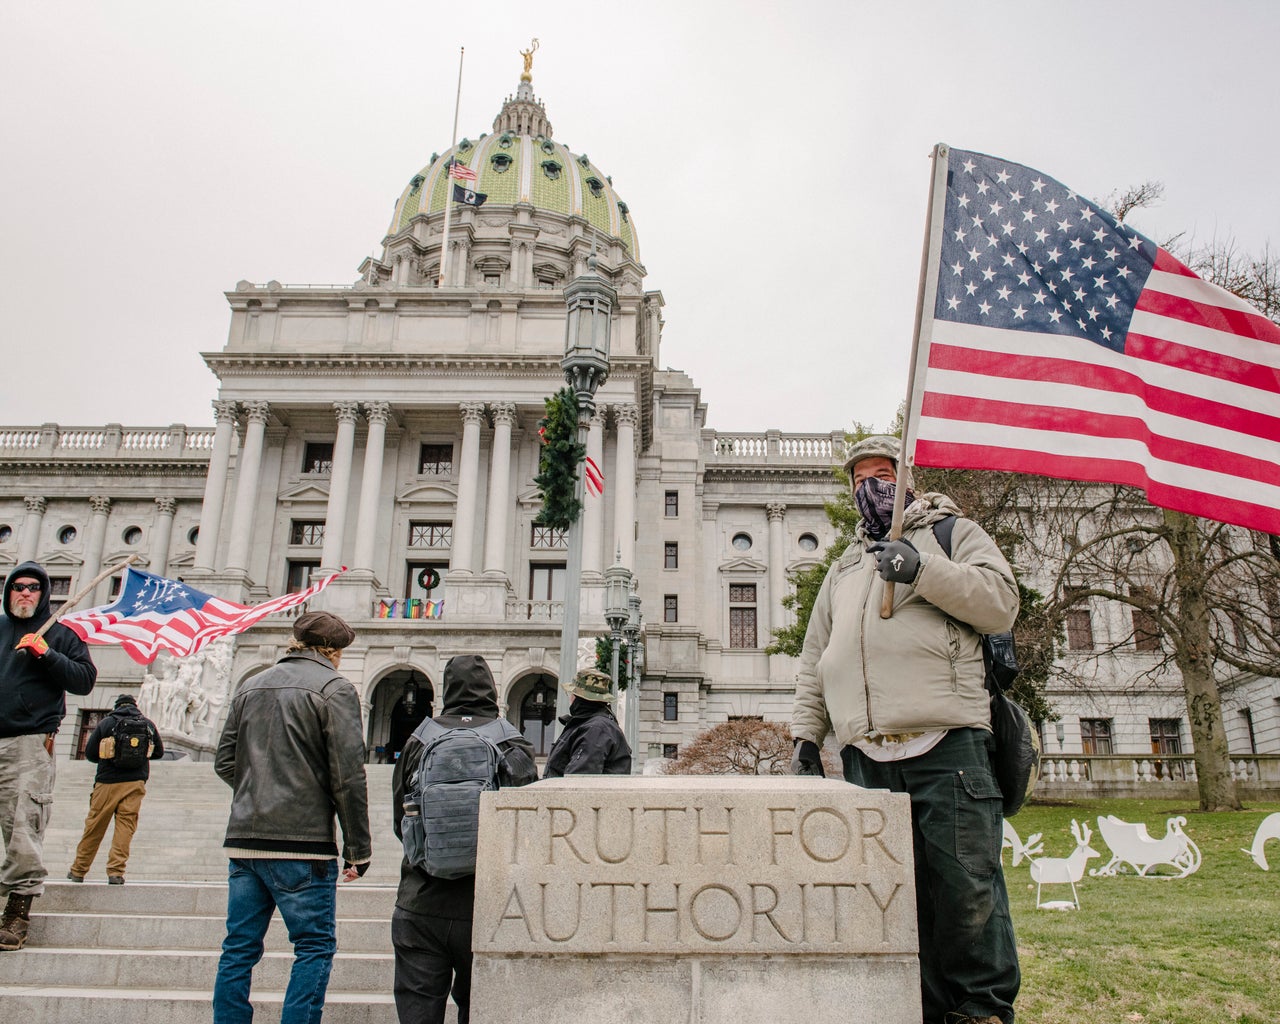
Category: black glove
<point>897,561</point>
<point>807,759</point>
<point>360,868</point>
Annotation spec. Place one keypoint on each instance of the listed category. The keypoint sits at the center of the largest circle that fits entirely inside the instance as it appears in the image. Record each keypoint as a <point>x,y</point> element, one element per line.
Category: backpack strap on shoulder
<point>942,531</point>
<point>428,730</point>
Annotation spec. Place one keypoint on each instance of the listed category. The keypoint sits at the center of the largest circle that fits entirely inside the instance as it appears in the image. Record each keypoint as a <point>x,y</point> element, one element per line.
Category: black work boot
<point>15,921</point>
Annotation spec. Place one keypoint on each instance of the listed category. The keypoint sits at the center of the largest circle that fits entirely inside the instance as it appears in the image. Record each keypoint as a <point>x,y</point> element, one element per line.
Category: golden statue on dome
<point>527,74</point>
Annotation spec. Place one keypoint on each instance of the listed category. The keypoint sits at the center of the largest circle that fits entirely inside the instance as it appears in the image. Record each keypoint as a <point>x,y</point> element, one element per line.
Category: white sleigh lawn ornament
<point>1269,829</point>
<point>1033,847</point>
<point>1130,844</point>
<point>1064,870</point>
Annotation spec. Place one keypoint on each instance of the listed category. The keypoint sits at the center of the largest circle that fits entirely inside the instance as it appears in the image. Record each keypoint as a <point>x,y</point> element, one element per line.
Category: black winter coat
<point>107,769</point>
<point>591,743</point>
<point>470,699</point>
<point>33,690</point>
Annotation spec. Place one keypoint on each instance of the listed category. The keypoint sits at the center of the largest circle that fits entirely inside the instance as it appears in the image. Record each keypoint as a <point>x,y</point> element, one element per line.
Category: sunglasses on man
<point>23,588</point>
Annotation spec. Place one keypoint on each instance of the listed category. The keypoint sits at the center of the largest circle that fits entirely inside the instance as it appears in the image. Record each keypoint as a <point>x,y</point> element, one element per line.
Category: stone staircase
<point>147,951</point>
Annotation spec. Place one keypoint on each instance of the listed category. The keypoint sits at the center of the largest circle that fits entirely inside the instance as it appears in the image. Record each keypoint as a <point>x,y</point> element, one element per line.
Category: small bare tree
<point>747,746</point>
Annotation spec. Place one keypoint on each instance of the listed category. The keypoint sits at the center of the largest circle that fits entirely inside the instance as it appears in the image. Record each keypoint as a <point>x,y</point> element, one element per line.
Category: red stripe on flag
<point>1066,467</point>
<point>1219,318</point>
<point>594,478</point>
<point>1170,264</point>
<point>1101,378</point>
<point>1198,360</point>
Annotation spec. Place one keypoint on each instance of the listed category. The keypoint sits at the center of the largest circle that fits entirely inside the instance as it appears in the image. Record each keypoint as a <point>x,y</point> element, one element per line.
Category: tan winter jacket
<point>861,675</point>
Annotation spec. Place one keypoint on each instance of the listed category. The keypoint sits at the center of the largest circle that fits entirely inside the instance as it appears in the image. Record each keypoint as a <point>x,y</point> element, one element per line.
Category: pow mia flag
<point>465,195</point>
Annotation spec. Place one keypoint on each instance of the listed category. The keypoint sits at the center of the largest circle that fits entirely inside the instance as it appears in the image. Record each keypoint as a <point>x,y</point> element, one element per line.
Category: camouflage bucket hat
<point>591,685</point>
<point>876,446</point>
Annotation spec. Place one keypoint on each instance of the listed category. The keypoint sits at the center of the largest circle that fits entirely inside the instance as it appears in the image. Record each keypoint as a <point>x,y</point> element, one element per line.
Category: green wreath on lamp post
<point>558,462</point>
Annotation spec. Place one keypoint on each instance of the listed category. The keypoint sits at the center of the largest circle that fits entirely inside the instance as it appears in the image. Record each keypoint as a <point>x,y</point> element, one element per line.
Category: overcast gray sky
<point>774,157</point>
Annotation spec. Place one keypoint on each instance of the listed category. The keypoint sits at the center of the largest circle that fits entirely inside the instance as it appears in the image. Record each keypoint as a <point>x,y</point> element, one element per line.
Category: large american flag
<point>1059,341</point>
<point>154,613</point>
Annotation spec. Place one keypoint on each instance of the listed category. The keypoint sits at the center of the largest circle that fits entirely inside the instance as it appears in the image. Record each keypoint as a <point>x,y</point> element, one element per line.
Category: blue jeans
<point>306,893</point>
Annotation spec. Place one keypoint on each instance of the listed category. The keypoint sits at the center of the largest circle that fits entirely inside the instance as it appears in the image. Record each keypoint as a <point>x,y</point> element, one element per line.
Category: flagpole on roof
<point>928,276</point>
<point>448,173</point>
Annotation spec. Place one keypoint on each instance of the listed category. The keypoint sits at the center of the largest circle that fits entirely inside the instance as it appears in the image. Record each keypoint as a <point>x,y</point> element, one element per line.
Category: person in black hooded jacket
<point>431,925</point>
<point>591,742</point>
<point>118,789</point>
<point>36,674</point>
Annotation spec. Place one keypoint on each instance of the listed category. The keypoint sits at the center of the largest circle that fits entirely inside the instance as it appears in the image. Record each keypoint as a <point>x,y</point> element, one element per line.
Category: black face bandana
<point>874,498</point>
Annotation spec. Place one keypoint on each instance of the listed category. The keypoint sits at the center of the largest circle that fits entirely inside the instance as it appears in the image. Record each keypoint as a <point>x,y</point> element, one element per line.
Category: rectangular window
<point>306,531</point>
<point>671,555</point>
<point>1166,738</point>
<point>430,535</point>
<point>89,719</point>
<point>424,581</point>
<point>1247,715</point>
<point>59,591</point>
<point>670,608</point>
<point>298,575</point>
<point>435,460</point>
<point>1095,735</point>
<point>317,457</point>
<point>546,537</point>
<point>546,581</point>
<point>116,583</point>
<point>672,504</point>
<point>671,707</point>
<point>1079,630</point>
<point>1146,628</point>
<point>742,615</point>
<point>670,751</point>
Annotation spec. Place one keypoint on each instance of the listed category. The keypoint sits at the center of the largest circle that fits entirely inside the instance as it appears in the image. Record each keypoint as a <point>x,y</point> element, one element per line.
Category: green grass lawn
<point>1197,950</point>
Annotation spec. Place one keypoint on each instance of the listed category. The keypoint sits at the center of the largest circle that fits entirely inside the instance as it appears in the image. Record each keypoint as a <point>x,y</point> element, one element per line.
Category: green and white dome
<point>519,162</point>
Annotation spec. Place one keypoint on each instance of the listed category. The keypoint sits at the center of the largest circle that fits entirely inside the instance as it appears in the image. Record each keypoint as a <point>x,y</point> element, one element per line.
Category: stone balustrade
<point>111,440</point>
<point>827,449</point>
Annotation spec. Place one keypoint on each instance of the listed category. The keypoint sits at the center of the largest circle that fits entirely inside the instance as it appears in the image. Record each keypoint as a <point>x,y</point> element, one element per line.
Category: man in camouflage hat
<point>591,741</point>
<point>907,701</point>
<point>293,753</point>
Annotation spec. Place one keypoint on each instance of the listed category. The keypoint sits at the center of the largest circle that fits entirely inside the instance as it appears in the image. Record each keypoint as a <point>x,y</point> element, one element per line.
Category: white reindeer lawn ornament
<point>1064,870</point>
<point>1269,829</point>
<point>1033,847</point>
<point>1130,844</point>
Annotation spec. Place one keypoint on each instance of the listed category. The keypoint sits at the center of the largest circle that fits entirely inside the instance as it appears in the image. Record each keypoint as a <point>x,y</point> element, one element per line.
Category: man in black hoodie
<point>431,925</point>
<point>118,787</point>
<point>36,674</point>
<point>591,742</point>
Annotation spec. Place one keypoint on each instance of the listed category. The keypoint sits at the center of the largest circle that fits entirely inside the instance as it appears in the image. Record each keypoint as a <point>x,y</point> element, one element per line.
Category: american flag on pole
<point>462,172</point>
<point>1057,341</point>
<point>153,614</point>
<point>594,478</point>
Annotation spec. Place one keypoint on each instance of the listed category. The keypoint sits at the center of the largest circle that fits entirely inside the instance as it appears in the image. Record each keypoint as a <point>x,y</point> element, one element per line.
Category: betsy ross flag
<point>153,614</point>
<point>462,172</point>
<point>594,478</point>
<point>1055,340</point>
<point>466,195</point>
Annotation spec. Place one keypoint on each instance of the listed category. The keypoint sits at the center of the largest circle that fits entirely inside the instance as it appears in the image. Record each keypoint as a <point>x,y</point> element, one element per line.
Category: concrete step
<point>191,899</point>
<point>57,1005</point>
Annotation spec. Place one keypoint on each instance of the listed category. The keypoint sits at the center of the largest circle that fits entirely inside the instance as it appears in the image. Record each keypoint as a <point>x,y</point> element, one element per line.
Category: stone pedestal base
<point>696,901</point>
<point>475,598</point>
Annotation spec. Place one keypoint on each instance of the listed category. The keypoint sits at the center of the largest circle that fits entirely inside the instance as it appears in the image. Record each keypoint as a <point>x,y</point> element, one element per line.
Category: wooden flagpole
<point>84,592</point>
<point>928,274</point>
<point>448,173</point>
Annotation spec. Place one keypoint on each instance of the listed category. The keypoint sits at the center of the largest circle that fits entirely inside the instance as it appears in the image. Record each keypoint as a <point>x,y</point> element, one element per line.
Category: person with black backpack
<point>121,745</point>
<point>908,701</point>
<point>446,764</point>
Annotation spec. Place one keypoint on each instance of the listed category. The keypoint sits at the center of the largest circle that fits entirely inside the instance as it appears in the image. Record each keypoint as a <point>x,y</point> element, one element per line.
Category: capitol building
<point>390,425</point>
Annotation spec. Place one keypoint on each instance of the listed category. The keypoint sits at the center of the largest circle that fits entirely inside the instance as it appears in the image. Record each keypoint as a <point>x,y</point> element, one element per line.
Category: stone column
<point>94,540</point>
<point>498,523</point>
<point>215,486</point>
<point>248,470</point>
<point>335,517</point>
<point>370,485</point>
<point>776,510</point>
<point>593,513</point>
<point>624,496</point>
<point>29,543</point>
<point>161,534</point>
<point>461,558</point>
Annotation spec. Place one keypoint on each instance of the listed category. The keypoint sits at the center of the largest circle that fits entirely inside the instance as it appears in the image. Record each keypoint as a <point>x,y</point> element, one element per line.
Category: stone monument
<point>697,900</point>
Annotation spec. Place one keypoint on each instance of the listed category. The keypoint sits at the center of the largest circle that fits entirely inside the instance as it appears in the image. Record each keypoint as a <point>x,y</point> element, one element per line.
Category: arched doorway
<point>534,701</point>
<point>401,700</point>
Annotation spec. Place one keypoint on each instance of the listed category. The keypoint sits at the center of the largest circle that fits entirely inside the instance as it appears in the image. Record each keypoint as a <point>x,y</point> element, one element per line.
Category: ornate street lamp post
<point>635,661</point>
<point>589,301</point>
<point>617,608</point>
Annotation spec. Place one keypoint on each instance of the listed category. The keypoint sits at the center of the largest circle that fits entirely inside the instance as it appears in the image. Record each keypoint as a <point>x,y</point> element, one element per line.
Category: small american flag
<point>1058,341</point>
<point>462,172</point>
<point>594,478</point>
<point>153,614</point>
